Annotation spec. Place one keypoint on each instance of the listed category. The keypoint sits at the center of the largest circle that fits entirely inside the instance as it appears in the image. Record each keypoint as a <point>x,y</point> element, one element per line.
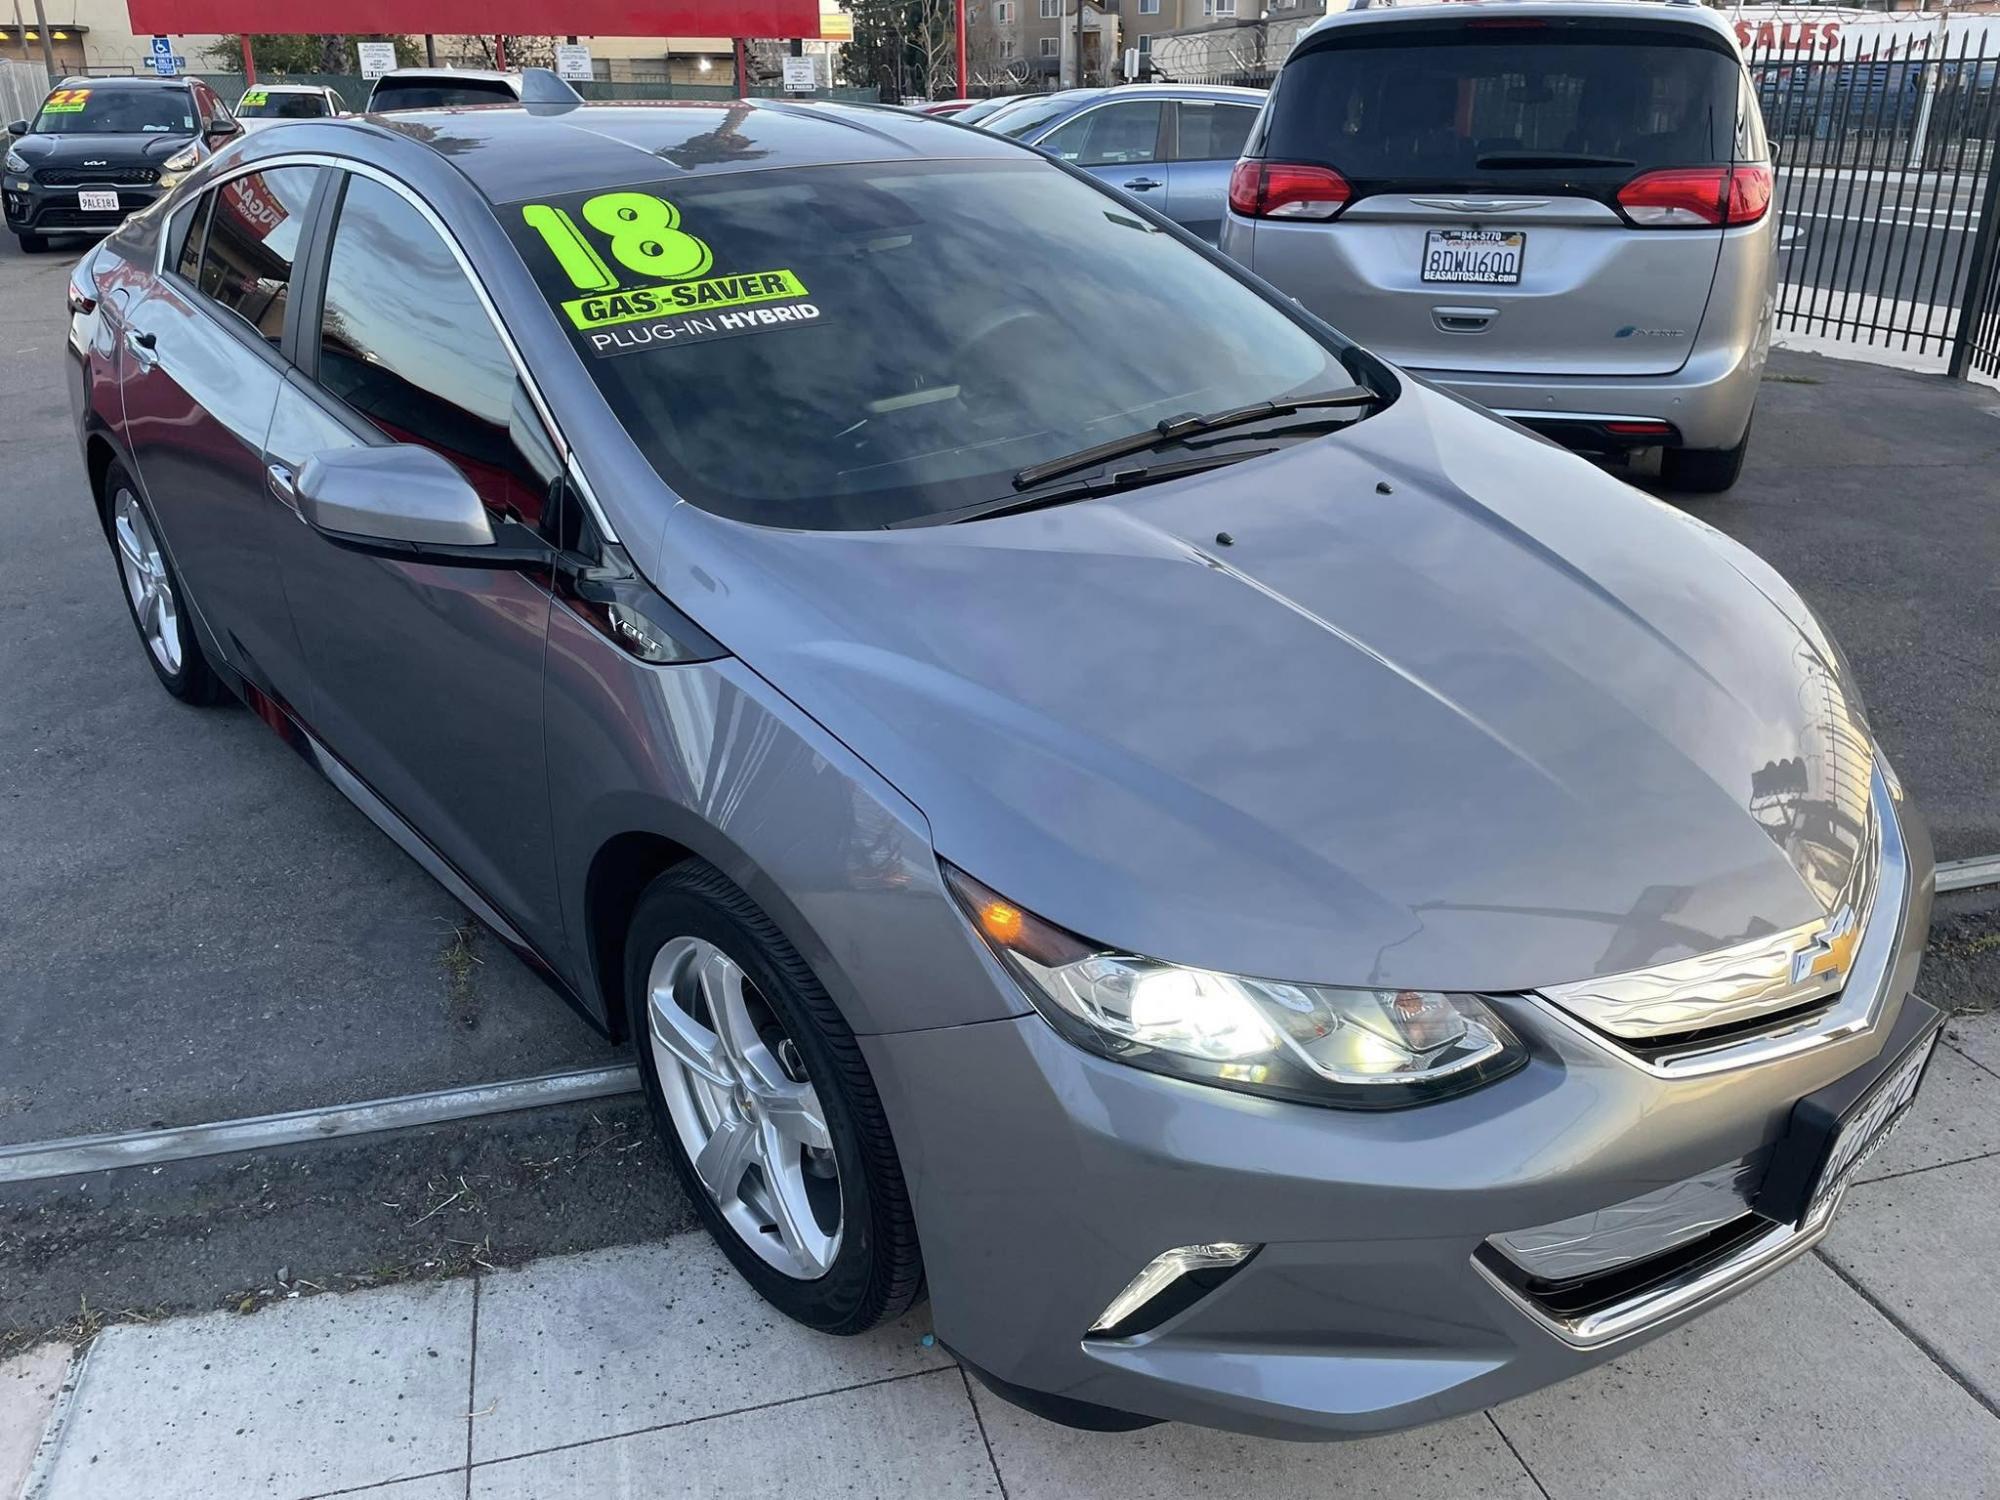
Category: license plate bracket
<point>1834,1131</point>
<point>97,201</point>
<point>1473,257</point>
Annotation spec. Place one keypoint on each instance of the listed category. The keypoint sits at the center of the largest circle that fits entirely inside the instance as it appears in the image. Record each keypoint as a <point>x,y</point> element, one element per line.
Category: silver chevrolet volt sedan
<point>1280,900</point>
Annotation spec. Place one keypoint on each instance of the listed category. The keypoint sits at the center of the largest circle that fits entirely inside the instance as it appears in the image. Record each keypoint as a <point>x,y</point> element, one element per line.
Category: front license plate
<point>1824,1147</point>
<point>97,202</point>
<point>1474,257</point>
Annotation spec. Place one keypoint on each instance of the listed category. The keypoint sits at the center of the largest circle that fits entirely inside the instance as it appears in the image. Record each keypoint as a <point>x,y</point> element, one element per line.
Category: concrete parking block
<point>1799,1387</point>
<point>1924,1246</point>
<point>908,1437</point>
<point>29,1386</point>
<point>1039,1460</point>
<point>1978,1037</point>
<point>589,1346</point>
<point>1956,1117</point>
<point>326,1393</point>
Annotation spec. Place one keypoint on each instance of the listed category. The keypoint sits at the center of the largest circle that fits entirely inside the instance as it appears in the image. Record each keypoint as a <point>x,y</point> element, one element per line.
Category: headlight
<point>182,160</point>
<point>1355,1048</point>
<point>15,162</point>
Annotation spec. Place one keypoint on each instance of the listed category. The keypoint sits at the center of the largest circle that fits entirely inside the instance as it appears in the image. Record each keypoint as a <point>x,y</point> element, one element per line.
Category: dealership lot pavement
<point>1869,1369</point>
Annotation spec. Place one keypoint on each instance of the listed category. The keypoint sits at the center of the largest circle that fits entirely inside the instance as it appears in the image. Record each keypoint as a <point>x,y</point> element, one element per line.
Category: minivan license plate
<point>1474,257</point>
<point>97,203</point>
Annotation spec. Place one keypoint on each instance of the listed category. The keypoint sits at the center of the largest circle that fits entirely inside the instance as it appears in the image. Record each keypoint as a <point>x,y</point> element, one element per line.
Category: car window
<point>405,341</point>
<point>1576,107</point>
<point>1212,132</point>
<point>254,226</point>
<point>261,104</point>
<point>422,93</point>
<point>1110,135</point>
<point>116,111</point>
<point>1018,119</point>
<point>832,347</point>
<point>184,232</point>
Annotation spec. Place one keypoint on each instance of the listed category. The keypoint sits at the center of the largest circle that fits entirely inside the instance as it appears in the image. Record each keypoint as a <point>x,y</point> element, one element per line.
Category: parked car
<point>1559,208</point>
<point>445,88</point>
<point>980,109</point>
<point>943,107</point>
<point>99,148</point>
<point>1170,145</point>
<point>1283,901</point>
<point>290,101</point>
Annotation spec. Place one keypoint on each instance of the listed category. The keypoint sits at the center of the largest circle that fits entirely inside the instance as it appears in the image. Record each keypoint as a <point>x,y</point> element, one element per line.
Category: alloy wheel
<point>146,581</point>
<point>744,1108</point>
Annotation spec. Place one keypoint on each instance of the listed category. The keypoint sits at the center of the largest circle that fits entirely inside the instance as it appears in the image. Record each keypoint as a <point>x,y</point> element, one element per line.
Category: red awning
<point>767,18</point>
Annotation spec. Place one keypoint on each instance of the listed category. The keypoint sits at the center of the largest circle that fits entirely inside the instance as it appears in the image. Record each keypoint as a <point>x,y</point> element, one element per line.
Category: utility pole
<point>1079,45</point>
<point>964,78</point>
<point>430,50</point>
<point>48,48</point>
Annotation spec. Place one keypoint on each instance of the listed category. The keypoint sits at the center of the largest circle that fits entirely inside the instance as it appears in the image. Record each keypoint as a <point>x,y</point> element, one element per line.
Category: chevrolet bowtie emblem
<point>1828,952</point>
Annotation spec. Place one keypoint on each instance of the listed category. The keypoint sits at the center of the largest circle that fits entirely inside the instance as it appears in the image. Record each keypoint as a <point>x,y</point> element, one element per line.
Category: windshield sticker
<point>66,102</point>
<point>656,286</point>
<point>255,96</point>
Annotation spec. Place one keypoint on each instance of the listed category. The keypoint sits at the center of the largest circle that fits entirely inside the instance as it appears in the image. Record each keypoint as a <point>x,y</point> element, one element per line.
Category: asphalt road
<point>194,926</point>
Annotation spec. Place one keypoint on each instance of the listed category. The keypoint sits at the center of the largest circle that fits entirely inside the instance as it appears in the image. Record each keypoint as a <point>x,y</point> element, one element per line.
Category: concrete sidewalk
<point>1870,1369</point>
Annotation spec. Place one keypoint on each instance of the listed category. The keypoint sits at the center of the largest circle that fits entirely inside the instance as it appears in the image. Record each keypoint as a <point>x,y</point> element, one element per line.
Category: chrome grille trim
<point>1650,1224</point>
<point>1858,1006</point>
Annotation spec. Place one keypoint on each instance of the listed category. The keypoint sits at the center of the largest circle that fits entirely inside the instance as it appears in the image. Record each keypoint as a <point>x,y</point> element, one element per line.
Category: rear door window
<point>254,229</point>
<point>1110,135</point>
<point>1553,107</point>
<point>1212,132</point>
<point>434,93</point>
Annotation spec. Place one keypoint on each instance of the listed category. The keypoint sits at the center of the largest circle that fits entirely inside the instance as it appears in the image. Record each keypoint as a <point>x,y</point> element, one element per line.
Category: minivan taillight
<point>1286,190</point>
<point>1697,197</point>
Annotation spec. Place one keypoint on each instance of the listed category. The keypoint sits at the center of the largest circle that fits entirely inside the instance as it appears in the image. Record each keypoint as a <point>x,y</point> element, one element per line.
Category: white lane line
<point>95,1153</point>
<point>1965,874</point>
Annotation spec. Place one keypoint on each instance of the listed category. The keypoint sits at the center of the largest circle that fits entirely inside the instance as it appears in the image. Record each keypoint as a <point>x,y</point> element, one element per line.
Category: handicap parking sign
<point>162,47</point>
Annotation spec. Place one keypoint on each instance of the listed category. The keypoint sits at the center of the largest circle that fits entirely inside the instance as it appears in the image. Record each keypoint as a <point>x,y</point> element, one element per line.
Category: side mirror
<point>222,130</point>
<point>17,127</point>
<point>400,499</point>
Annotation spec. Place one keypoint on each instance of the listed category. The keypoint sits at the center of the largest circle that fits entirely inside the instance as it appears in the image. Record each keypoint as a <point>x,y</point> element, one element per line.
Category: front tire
<point>767,1107</point>
<point>1703,471</point>
<point>154,596</point>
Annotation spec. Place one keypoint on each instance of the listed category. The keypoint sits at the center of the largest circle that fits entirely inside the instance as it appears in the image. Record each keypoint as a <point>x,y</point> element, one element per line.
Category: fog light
<point>1188,1274</point>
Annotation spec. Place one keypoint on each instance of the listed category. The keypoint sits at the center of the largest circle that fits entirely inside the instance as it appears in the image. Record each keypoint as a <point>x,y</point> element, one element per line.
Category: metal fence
<point>1885,192</point>
<point>22,86</point>
<point>354,89</point>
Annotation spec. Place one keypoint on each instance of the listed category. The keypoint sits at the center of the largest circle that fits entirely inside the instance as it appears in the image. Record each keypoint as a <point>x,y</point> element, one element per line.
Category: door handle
<point>1142,184</point>
<point>141,347</point>
<point>279,480</point>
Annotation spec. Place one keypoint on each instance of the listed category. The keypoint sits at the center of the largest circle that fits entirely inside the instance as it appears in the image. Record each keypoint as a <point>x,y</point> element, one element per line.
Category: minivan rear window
<point>1516,107</point>
<point>432,93</point>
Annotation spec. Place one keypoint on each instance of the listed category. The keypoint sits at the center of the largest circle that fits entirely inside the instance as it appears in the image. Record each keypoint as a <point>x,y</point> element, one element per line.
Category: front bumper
<point>1044,1178</point>
<point>33,207</point>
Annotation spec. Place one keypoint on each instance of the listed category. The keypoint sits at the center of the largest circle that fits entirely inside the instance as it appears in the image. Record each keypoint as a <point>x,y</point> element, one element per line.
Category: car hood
<point>116,149</point>
<point>1428,702</point>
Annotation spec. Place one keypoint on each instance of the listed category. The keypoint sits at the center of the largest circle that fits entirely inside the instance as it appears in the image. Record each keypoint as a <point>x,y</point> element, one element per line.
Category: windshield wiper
<point>1173,429</point>
<point>1085,489</point>
<point>1501,160</point>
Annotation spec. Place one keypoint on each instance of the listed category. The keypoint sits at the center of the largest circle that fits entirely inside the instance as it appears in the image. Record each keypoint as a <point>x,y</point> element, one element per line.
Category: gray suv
<point>1562,211</point>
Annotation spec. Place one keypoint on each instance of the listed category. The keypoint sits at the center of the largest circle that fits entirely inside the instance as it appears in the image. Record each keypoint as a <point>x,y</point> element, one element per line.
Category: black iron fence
<point>1888,197</point>
<point>1886,205</point>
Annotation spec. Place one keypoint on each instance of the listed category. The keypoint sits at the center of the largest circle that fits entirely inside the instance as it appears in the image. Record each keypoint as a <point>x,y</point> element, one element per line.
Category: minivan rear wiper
<point>1173,429</point>
<point>1529,160</point>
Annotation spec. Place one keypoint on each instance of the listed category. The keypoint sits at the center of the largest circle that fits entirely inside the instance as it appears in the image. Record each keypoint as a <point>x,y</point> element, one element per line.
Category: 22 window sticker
<point>676,301</point>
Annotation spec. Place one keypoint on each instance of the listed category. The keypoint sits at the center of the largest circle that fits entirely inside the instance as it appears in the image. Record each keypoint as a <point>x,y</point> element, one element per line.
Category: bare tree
<point>936,41</point>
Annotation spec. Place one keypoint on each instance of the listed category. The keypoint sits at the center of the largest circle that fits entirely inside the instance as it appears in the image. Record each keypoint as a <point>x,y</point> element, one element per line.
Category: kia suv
<point>99,148</point>
<point>1560,210</point>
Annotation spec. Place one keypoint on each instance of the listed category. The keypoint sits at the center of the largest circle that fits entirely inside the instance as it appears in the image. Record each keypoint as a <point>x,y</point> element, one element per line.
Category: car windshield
<point>261,104</point>
<point>434,93</point>
<point>1023,118</point>
<point>114,111</point>
<point>856,346</point>
<point>1526,105</point>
